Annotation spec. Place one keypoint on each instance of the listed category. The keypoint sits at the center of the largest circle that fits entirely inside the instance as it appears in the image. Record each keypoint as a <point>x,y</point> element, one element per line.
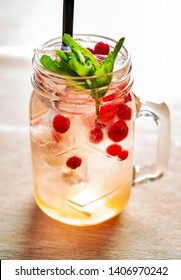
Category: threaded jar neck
<point>63,88</point>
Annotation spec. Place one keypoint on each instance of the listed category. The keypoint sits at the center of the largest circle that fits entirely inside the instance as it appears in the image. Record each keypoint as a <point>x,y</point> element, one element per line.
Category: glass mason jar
<point>82,149</point>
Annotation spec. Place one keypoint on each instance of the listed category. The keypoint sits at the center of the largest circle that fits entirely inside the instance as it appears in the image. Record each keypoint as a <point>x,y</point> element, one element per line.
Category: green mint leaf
<point>80,69</point>
<point>80,51</point>
<point>81,62</point>
<point>62,55</point>
<point>65,68</point>
<point>117,48</point>
<point>97,94</point>
<point>80,57</point>
<point>57,66</point>
<point>49,64</point>
<point>107,65</point>
<point>70,55</point>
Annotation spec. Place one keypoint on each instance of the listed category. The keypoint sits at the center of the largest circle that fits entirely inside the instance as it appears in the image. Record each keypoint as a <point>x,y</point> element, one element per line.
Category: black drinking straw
<point>68,15</point>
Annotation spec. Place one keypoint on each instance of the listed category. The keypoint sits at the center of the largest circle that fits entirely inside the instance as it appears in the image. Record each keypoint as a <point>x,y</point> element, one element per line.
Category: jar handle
<point>159,112</point>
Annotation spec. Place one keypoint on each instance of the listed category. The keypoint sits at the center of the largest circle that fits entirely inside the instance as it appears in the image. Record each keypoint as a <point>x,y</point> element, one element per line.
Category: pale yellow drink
<point>99,188</point>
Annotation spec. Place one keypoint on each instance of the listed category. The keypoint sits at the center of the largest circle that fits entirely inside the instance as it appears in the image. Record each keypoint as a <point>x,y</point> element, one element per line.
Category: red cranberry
<point>101,48</point>
<point>123,155</point>
<point>127,97</point>
<point>61,123</point>
<point>123,112</point>
<point>114,150</point>
<point>118,131</point>
<point>74,162</point>
<point>96,135</point>
<point>107,112</point>
<point>91,50</point>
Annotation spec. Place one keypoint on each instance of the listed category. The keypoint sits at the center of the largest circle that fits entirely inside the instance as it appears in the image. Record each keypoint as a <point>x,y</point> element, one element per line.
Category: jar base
<point>98,212</point>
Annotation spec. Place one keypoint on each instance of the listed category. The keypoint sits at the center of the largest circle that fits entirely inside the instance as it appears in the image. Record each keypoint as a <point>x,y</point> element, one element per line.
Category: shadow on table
<point>49,239</point>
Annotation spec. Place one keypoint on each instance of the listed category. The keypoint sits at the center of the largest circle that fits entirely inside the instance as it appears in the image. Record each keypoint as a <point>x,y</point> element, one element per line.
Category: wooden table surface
<point>150,226</point>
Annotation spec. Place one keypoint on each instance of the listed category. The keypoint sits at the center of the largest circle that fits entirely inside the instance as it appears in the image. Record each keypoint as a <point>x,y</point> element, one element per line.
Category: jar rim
<point>78,37</point>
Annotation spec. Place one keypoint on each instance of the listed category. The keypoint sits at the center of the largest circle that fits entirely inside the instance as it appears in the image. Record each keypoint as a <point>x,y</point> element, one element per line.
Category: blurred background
<point>151,28</point>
